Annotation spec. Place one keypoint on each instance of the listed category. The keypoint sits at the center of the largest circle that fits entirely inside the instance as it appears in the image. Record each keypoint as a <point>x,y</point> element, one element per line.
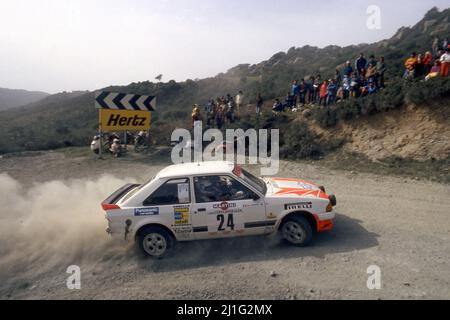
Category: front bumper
<point>324,221</point>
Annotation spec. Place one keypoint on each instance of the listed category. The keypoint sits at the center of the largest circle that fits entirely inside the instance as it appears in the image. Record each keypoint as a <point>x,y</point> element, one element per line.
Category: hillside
<point>70,119</point>
<point>11,98</point>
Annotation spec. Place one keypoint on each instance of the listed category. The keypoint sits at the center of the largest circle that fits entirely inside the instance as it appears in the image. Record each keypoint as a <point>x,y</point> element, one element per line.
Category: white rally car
<point>210,200</point>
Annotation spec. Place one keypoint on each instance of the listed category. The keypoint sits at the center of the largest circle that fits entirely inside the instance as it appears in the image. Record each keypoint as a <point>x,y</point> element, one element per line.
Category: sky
<point>66,45</point>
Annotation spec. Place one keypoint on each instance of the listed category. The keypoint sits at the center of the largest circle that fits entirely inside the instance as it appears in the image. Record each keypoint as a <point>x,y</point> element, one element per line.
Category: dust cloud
<point>53,223</point>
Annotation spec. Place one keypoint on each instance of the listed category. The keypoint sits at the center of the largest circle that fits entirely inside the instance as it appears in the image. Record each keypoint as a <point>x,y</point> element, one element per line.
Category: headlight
<point>329,207</point>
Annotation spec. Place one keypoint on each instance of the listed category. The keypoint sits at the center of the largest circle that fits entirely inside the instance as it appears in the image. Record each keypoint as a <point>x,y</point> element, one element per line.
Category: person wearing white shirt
<point>445,62</point>
<point>239,100</point>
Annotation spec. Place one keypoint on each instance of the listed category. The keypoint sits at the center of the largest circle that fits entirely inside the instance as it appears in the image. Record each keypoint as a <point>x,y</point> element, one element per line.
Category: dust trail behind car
<point>53,224</point>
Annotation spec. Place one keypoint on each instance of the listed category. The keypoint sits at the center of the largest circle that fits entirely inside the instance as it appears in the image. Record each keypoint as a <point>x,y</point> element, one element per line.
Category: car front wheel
<point>155,242</point>
<point>297,231</point>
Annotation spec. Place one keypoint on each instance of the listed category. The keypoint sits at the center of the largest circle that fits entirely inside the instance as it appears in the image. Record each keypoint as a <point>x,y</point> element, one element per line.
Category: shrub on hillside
<point>325,117</point>
<point>297,142</point>
<point>428,91</point>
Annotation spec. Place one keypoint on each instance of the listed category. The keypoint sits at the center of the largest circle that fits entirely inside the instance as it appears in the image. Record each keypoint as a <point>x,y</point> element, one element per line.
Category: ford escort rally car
<point>210,200</point>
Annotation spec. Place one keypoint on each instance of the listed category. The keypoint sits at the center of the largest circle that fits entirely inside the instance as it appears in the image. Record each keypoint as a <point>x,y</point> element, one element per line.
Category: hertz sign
<point>121,120</point>
<point>121,111</point>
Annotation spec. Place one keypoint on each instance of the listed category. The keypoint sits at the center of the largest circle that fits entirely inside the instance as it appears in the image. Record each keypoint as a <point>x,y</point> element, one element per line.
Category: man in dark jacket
<point>360,65</point>
<point>372,61</point>
<point>348,70</point>
<point>259,104</point>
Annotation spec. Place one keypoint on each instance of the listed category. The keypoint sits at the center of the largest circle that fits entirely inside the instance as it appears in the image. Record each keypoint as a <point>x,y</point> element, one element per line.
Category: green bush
<point>428,91</point>
<point>297,142</point>
<point>325,116</point>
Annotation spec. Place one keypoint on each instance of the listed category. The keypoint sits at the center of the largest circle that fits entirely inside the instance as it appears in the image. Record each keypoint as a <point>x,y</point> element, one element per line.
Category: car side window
<point>220,188</point>
<point>173,192</point>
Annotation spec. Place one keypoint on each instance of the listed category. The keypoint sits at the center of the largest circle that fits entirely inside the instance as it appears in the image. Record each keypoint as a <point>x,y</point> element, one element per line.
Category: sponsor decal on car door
<point>225,207</point>
<point>225,218</point>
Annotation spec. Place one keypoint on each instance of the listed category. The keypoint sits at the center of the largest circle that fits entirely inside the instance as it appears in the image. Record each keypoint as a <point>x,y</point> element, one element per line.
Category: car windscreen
<point>255,182</point>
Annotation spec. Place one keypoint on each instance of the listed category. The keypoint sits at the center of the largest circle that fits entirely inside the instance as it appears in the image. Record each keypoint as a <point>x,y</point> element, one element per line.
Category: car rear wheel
<point>297,231</point>
<point>155,242</point>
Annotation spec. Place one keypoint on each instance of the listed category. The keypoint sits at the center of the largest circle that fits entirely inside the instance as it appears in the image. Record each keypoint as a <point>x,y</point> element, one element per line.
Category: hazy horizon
<point>54,46</point>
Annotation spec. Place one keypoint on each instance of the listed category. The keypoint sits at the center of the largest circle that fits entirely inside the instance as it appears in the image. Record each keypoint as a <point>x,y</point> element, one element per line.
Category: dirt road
<point>50,221</point>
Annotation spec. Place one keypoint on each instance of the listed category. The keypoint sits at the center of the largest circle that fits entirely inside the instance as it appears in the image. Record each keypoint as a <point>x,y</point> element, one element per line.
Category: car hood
<point>282,187</point>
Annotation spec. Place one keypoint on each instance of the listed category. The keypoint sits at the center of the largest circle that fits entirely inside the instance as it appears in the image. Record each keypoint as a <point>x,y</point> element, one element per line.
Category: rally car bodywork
<point>216,200</point>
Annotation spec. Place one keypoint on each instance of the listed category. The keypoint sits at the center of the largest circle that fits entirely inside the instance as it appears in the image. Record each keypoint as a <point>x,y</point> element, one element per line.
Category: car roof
<point>187,169</point>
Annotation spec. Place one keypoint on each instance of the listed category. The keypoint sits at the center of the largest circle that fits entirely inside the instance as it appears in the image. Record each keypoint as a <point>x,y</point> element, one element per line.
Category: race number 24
<point>229,222</point>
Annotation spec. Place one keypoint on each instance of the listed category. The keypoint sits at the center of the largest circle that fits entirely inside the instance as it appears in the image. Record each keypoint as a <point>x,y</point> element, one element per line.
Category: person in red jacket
<point>428,62</point>
<point>323,94</point>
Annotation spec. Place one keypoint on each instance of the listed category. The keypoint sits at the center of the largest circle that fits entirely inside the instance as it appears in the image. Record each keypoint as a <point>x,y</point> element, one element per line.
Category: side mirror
<point>255,197</point>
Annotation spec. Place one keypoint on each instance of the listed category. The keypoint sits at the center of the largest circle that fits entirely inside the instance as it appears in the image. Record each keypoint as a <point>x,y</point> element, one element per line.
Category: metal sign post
<point>100,134</point>
<point>125,140</point>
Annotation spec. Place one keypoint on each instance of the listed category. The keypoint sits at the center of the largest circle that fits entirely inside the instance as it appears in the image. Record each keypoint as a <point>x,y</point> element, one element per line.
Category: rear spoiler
<point>110,202</point>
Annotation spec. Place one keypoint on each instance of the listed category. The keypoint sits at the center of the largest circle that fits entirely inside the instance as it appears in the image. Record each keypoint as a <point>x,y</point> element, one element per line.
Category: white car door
<point>224,207</point>
<point>170,205</point>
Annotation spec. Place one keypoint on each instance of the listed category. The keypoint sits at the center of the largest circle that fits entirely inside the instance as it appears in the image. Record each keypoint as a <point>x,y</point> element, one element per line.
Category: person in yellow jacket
<point>410,65</point>
<point>196,115</point>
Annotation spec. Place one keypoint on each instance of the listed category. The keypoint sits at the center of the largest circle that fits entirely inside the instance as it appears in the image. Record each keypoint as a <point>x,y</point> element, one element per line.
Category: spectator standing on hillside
<point>295,92</point>
<point>302,92</point>
<point>372,61</point>
<point>428,62</point>
<point>337,77</point>
<point>360,65</point>
<point>316,87</point>
<point>348,70</point>
<point>210,105</point>
<point>288,100</point>
<point>239,101</point>
<point>310,90</point>
<point>410,66</point>
<point>435,45</point>
<point>210,108</point>
<point>230,111</point>
<point>323,93</point>
<point>331,92</point>
<point>445,62</point>
<point>219,116</point>
<point>196,116</point>
<point>381,69</point>
<point>259,104</point>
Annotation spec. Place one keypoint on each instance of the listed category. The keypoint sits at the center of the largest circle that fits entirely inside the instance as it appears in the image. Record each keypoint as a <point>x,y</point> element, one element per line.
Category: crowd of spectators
<point>428,65</point>
<point>364,77</point>
<point>353,80</point>
<point>220,111</point>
